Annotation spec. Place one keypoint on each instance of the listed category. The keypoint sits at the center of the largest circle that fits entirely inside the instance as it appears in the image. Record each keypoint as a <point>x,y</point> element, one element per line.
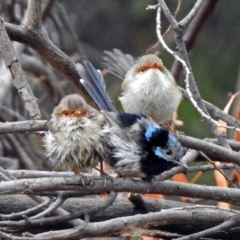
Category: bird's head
<point>163,148</point>
<point>148,62</point>
<point>148,67</point>
<point>71,106</point>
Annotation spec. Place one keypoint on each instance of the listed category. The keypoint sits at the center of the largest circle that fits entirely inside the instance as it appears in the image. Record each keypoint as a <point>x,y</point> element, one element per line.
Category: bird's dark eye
<point>168,152</point>
<point>143,69</point>
<point>64,113</point>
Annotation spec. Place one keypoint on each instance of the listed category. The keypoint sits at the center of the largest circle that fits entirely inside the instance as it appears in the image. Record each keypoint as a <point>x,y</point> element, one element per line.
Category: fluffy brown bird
<point>148,87</point>
<point>76,138</point>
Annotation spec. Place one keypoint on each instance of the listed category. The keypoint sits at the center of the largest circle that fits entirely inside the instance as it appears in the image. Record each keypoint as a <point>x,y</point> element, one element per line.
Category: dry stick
<point>54,220</point>
<point>210,149</point>
<point>186,21</point>
<point>3,177</point>
<point>30,33</point>
<point>219,170</point>
<point>28,144</point>
<point>23,126</point>
<point>179,31</point>
<point>19,81</point>
<point>134,224</point>
<point>8,162</point>
<point>215,111</point>
<point>20,174</point>
<point>47,8</point>
<point>138,202</point>
<point>64,17</point>
<point>189,80</point>
<point>38,199</point>
<point>11,112</point>
<point>204,168</point>
<point>61,198</point>
<point>227,224</point>
<point>23,157</point>
<point>193,30</point>
<point>121,205</point>
<point>96,185</point>
<point>12,216</point>
<point>156,45</point>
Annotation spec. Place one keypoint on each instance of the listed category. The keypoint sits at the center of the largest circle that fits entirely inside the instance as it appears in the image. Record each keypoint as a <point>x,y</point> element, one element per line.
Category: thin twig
<point>227,224</point>
<point>19,81</point>
<point>156,45</point>
<point>184,23</point>
<point>29,211</point>
<point>189,79</point>
<point>219,170</point>
<point>61,198</point>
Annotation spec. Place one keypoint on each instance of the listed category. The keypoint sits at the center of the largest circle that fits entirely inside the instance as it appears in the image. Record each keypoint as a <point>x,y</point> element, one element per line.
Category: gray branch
<point>8,54</point>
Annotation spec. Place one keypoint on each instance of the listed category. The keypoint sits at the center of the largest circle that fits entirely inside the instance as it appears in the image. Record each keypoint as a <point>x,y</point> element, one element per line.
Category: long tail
<point>118,63</point>
<point>114,62</point>
<point>93,82</point>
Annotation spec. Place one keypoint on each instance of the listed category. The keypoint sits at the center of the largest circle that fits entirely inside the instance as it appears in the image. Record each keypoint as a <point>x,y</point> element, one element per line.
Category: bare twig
<point>61,198</point>
<point>19,81</point>
<point>138,202</point>
<point>97,185</point>
<point>215,111</point>
<point>189,80</point>
<point>219,170</point>
<point>133,224</point>
<point>169,28</point>
<point>36,39</point>
<point>184,23</point>
<point>23,126</point>
<point>37,221</point>
<point>207,167</point>
<point>29,211</point>
<point>211,149</point>
<point>227,224</point>
<point>193,30</point>
<point>38,199</point>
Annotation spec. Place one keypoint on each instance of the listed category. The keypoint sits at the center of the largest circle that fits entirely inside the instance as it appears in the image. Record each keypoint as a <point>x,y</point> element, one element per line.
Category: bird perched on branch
<point>76,139</point>
<point>138,146</point>
<point>148,87</point>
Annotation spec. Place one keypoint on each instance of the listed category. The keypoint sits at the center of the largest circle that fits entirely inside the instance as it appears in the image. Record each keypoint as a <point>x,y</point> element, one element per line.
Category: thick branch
<point>97,185</point>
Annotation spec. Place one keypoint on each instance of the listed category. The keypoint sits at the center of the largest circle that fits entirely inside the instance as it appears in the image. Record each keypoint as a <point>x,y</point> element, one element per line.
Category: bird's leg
<point>150,179</point>
<point>101,170</point>
<point>104,175</point>
<point>171,129</point>
<point>175,121</point>
<point>78,174</point>
<point>168,126</point>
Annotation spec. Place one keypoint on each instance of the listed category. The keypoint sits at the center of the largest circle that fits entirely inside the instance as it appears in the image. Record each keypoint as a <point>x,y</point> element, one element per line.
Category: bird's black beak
<point>182,165</point>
